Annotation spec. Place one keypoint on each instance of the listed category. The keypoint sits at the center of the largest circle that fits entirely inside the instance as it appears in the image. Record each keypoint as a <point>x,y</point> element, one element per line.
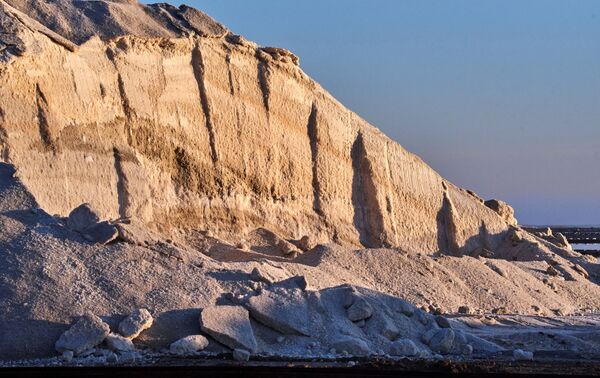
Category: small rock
<point>243,245</point>
<point>579,269</point>
<point>67,356</point>
<point>552,271</point>
<point>359,310</point>
<point>136,323</point>
<point>118,343</point>
<point>561,241</point>
<point>112,358</point>
<point>406,308</point>
<point>129,357</point>
<point>522,355</point>
<point>435,310</point>
<point>389,331</point>
<point>360,323</point>
<point>287,248</point>
<point>280,339</point>
<point>442,322</point>
<point>464,310</point>
<point>504,210</point>
<point>306,243</point>
<point>497,269</point>
<point>101,233</point>
<point>84,335</point>
<point>189,345</point>
<point>82,217</point>
<point>515,236</point>
<point>295,282</point>
<point>259,276</point>
<point>467,350</point>
<point>403,347</point>
<point>351,345</point>
<point>500,311</point>
<point>348,296</point>
<point>241,355</point>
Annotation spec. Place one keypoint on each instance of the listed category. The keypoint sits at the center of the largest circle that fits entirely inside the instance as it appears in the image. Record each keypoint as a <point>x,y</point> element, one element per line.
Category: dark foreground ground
<point>183,368</point>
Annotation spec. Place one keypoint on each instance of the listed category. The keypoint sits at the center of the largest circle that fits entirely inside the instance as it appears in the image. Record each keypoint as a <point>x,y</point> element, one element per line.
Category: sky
<point>500,97</point>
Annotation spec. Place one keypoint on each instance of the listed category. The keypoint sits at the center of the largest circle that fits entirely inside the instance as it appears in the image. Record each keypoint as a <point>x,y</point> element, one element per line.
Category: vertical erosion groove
<point>389,205</point>
<point>122,194</point>
<point>368,216</point>
<point>230,73</point>
<point>450,219</point>
<point>42,115</point>
<point>264,73</point>
<point>312,129</point>
<point>4,149</point>
<point>126,108</point>
<point>199,73</point>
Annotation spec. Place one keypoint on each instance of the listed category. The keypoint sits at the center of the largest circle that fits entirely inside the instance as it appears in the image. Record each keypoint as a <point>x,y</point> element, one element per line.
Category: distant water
<point>564,225</point>
<point>595,247</point>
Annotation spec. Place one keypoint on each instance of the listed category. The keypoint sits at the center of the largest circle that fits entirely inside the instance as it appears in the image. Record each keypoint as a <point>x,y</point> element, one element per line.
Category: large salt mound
<point>208,131</point>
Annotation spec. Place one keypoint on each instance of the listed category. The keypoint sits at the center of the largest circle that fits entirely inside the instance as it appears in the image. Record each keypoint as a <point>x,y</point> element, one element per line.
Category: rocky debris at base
<point>85,334</point>
<point>133,325</point>
<point>188,345</point>
<point>229,325</point>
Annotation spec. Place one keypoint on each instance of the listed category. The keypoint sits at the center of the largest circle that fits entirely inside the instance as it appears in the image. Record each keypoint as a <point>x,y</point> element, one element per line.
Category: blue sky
<point>501,97</point>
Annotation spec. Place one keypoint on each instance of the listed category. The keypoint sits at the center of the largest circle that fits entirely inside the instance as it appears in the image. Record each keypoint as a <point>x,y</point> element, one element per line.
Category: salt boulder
<point>229,325</point>
<point>136,323</point>
<point>359,310</point>
<point>286,311</point>
<point>85,334</point>
<point>189,345</point>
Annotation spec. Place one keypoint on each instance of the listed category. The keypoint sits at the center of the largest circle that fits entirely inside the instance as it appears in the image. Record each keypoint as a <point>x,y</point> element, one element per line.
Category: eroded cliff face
<point>208,131</point>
